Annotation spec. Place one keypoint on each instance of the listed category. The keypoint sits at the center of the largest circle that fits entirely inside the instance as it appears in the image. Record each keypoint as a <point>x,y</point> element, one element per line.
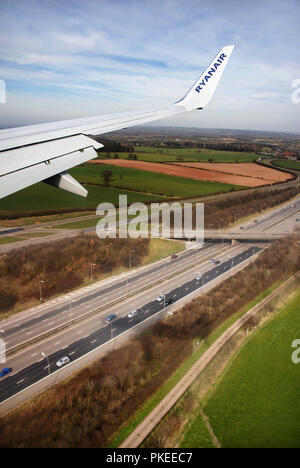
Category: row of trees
<point>228,210</point>
<point>63,266</point>
<point>87,410</point>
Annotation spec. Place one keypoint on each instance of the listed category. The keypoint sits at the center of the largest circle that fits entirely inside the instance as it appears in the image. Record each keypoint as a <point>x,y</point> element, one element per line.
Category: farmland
<point>263,384</point>
<point>207,174</point>
<point>251,170</point>
<point>132,178</point>
<point>42,197</point>
<point>288,164</point>
<point>152,154</point>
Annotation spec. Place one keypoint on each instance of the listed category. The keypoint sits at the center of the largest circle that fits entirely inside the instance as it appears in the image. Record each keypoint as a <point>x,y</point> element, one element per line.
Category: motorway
<point>25,326</point>
<point>40,369</point>
<point>77,320</point>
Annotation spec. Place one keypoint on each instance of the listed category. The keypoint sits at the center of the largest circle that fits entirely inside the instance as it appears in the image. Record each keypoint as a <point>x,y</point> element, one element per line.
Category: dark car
<point>5,371</point>
<point>168,301</point>
<point>174,256</point>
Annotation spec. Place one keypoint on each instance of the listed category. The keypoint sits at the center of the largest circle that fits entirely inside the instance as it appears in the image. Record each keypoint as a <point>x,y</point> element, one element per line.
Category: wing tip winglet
<point>199,95</point>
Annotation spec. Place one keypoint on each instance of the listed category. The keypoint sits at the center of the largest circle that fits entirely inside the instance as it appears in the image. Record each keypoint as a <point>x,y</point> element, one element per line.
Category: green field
<point>42,197</point>
<point>197,435</point>
<point>256,402</point>
<point>288,164</point>
<point>83,224</point>
<point>150,182</point>
<point>9,240</point>
<point>146,153</point>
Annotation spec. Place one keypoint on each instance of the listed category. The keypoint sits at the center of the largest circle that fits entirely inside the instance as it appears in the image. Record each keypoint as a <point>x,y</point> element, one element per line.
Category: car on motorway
<point>160,297</point>
<point>132,314</point>
<point>174,256</point>
<point>110,318</point>
<point>198,277</point>
<point>168,301</point>
<point>5,371</point>
<point>63,361</point>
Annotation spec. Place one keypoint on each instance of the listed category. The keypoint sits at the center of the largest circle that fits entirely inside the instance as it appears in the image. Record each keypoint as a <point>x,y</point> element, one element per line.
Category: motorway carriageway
<point>13,384</point>
<point>272,220</point>
<point>25,326</point>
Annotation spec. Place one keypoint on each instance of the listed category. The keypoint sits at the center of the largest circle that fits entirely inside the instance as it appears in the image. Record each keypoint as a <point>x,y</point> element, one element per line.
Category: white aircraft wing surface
<point>44,152</point>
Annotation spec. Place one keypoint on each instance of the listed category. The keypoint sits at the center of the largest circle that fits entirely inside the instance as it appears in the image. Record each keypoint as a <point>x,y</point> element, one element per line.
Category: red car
<point>174,256</point>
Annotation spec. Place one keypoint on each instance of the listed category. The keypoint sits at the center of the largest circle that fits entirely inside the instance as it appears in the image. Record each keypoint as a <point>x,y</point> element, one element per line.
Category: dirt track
<point>211,175</point>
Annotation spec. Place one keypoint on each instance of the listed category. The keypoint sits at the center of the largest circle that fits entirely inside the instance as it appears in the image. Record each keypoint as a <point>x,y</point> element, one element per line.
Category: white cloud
<point>136,54</point>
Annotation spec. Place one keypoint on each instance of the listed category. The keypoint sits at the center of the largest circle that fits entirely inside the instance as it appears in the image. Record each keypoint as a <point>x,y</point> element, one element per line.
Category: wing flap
<point>48,160</point>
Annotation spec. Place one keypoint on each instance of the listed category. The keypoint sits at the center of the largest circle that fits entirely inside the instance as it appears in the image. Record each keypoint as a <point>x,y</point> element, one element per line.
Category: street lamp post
<point>40,285</point>
<point>48,363</point>
<point>166,265</point>
<point>130,257</point>
<point>92,265</point>
<point>71,302</point>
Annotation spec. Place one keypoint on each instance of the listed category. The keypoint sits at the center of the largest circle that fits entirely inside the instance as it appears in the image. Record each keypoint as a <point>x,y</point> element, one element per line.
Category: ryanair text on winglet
<point>210,72</point>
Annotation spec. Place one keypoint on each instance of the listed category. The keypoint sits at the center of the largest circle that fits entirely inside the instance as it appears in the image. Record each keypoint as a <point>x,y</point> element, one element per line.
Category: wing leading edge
<point>45,152</point>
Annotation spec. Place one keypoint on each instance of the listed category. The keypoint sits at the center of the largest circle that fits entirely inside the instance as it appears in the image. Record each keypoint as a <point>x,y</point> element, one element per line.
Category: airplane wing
<point>45,152</point>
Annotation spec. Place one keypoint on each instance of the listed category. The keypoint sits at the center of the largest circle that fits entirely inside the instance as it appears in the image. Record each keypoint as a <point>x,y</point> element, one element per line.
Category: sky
<point>74,58</point>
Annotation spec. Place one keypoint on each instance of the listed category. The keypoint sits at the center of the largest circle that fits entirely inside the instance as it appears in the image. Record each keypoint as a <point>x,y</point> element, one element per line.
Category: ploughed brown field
<point>246,174</point>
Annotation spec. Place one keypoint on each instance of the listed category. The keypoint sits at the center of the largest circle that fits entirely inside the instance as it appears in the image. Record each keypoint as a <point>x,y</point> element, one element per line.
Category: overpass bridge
<point>249,236</point>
